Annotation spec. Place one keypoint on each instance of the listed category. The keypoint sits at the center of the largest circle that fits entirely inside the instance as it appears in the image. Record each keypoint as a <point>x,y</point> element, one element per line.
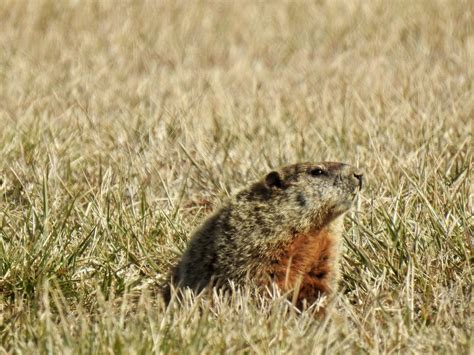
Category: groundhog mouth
<point>356,192</point>
<point>346,204</point>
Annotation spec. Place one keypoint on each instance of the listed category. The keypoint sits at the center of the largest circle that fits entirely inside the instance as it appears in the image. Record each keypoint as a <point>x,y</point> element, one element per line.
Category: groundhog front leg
<point>310,290</point>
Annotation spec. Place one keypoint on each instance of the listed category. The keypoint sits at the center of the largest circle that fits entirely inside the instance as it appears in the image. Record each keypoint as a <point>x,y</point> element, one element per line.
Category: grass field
<point>124,123</point>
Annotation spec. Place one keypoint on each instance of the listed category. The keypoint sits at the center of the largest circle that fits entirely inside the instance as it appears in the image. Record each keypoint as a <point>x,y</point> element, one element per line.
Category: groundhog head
<point>314,192</point>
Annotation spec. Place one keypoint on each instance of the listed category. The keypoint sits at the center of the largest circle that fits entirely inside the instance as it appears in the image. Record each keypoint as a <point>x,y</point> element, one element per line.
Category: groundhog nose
<point>358,175</point>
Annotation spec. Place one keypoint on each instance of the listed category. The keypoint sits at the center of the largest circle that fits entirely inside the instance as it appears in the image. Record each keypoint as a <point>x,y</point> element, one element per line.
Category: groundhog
<point>284,230</point>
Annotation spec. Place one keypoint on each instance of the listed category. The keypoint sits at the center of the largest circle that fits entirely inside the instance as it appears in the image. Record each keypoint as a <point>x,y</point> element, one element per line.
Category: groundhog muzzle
<point>283,230</point>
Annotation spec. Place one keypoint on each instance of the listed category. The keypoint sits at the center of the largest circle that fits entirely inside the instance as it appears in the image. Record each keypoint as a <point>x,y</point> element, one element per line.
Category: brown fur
<point>307,266</point>
<point>285,228</point>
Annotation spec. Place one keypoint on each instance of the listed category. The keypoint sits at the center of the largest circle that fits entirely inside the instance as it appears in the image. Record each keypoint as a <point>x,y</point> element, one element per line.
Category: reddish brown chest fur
<point>308,267</point>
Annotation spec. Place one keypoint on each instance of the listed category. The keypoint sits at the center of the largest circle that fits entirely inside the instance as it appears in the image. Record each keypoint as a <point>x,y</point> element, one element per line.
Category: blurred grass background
<point>124,123</point>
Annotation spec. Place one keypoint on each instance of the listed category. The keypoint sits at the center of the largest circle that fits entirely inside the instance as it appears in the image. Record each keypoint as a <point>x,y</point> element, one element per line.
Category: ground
<point>123,124</point>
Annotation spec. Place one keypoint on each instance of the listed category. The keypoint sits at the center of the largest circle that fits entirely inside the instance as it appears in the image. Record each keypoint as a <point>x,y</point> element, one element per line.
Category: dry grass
<point>122,123</point>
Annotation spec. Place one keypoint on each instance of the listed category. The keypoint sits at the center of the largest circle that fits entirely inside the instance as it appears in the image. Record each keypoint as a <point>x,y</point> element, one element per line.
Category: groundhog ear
<point>274,179</point>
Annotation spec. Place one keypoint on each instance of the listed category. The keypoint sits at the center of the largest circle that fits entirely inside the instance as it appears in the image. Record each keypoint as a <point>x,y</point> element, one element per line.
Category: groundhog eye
<point>317,172</point>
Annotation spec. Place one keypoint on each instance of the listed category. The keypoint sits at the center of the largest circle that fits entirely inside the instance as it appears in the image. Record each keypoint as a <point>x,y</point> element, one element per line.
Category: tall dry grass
<point>124,123</point>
